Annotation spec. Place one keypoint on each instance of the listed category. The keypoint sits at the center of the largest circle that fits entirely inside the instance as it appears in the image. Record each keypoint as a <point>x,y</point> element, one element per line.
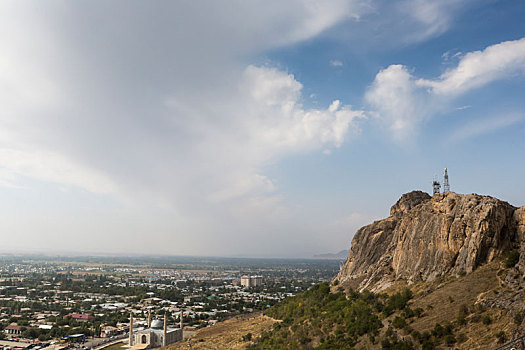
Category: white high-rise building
<point>251,281</point>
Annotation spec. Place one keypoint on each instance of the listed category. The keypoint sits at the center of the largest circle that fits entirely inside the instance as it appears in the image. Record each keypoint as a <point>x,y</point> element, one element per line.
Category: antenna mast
<point>446,185</point>
<point>436,186</point>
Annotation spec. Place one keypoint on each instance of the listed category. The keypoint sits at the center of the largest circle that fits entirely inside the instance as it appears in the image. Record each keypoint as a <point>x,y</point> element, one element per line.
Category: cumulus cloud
<point>281,121</point>
<point>270,123</point>
<point>160,107</point>
<point>478,68</point>
<point>402,100</point>
<point>396,99</point>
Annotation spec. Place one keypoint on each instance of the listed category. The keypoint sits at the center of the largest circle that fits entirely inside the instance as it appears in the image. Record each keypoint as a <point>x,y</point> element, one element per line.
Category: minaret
<point>164,342</point>
<point>181,325</point>
<point>446,185</point>
<point>149,318</point>
<point>130,329</point>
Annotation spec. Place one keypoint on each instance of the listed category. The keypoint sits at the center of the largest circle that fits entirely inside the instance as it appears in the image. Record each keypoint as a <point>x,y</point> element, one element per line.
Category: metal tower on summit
<point>436,186</point>
<point>446,185</point>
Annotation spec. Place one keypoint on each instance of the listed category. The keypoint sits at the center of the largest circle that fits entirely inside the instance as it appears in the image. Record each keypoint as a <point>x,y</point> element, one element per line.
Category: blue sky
<point>248,128</point>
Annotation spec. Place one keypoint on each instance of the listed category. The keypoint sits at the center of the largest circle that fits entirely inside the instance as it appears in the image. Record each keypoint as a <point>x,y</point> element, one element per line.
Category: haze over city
<point>248,128</point>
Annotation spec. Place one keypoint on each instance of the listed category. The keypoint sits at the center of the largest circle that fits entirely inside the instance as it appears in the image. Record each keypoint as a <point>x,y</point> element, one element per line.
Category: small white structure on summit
<point>436,186</point>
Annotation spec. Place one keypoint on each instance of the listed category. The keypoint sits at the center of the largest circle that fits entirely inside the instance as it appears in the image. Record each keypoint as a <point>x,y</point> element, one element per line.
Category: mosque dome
<point>157,324</point>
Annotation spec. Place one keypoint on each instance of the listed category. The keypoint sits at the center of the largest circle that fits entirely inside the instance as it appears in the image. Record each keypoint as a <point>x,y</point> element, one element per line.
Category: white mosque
<point>155,335</point>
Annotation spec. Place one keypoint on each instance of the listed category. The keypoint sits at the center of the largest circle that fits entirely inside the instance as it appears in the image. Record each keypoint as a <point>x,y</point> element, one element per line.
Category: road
<point>98,343</point>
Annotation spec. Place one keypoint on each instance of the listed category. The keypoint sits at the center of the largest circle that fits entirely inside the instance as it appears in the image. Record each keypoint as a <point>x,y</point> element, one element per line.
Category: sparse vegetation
<point>462,314</point>
<point>399,322</point>
<point>323,320</point>
<point>486,320</point>
<point>319,319</point>
<point>501,337</point>
<point>512,258</point>
<point>339,319</point>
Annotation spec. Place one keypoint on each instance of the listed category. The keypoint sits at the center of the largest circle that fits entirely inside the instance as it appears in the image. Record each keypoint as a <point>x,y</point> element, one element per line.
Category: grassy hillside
<point>446,313</point>
<point>235,333</point>
<point>324,320</point>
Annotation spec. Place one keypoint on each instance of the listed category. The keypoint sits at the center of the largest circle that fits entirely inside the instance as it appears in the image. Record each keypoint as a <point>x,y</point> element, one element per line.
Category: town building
<point>80,317</point>
<point>108,331</point>
<point>256,281</point>
<point>245,281</point>
<point>251,281</point>
<point>13,329</point>
<point>156,334</point>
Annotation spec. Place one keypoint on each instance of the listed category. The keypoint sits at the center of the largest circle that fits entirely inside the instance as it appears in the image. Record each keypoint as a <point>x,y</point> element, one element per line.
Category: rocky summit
<point>427,237</point>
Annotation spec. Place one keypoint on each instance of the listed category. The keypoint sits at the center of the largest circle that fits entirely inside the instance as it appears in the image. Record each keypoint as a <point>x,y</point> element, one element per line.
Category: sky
<point>248,128</point>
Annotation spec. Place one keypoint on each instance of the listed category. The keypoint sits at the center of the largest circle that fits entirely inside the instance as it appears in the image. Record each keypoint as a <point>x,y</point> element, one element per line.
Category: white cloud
<point>434,17</point>
<point>485,126</point>
<point>451,55</point>
<point>478,68</point>
<point>243,185</point>
<point>396,99</point>
<point>280,121</point>
<point>160,106</point>
<point>336,63</point>
<point>402,101</point>
<point>270,124</point>
<point>7,179</point>
<point>51,167</point>
<point>386,25</point>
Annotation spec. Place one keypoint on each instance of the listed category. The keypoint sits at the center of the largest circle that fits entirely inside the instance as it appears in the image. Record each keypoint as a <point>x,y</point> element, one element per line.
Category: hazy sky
<point>265,128</point>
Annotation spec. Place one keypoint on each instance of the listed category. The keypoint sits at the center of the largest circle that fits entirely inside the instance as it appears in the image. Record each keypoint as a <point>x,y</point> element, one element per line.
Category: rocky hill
<point>427,237</point>
<point>440,272</point>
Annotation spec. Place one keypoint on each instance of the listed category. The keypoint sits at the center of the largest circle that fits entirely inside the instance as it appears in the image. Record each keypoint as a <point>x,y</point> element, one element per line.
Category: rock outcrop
<point>426,237</point>
<point>519,221</point>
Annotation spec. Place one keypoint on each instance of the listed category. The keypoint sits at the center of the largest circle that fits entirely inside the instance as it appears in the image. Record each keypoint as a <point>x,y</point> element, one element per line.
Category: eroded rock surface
<point>519,220</point>
<point>426,237</point>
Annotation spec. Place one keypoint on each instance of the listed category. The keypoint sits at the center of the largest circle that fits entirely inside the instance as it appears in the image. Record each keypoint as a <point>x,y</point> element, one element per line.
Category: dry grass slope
<point>441,300</point>
<point>228,334</point>
<point>447,298</point>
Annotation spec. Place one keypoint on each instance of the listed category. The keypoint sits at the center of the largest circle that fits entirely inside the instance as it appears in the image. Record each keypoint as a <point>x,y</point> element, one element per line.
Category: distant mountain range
<point>343,254</point>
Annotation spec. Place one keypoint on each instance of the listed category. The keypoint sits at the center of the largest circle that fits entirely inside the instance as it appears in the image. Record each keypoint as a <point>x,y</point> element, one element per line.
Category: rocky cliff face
<point>519,221</point>
<point>426,237</point>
